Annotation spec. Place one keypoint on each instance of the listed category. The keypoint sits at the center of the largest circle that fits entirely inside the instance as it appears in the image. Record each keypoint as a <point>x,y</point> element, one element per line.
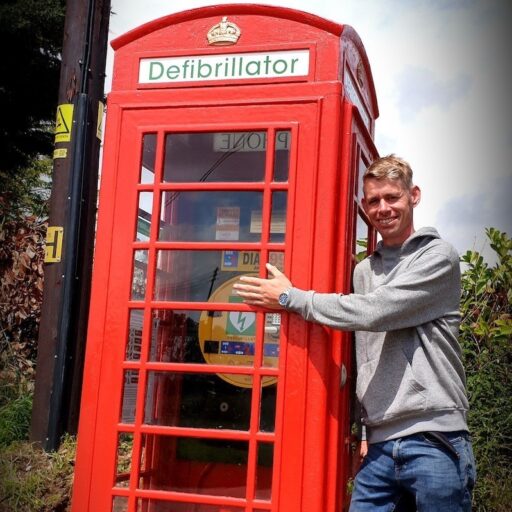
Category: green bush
<point>486,331</point>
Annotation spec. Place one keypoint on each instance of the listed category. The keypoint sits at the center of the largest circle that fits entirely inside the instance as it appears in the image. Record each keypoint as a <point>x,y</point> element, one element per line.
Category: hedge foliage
<point>21,294</point>
<point>486,333</point>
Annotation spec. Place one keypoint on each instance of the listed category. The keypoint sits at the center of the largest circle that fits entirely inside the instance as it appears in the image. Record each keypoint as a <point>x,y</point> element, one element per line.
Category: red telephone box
<point>236,135</point>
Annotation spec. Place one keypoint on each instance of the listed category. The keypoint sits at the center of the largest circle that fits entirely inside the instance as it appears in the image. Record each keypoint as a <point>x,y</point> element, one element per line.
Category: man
<point>410,379</point>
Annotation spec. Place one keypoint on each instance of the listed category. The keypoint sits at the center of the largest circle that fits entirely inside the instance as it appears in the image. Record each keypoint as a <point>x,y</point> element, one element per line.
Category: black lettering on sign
<point>251,258</point>
<point>53,248</point>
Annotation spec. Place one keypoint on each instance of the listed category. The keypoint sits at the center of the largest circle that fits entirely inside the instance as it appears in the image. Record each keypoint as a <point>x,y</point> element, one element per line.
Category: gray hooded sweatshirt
<point>405,311</point>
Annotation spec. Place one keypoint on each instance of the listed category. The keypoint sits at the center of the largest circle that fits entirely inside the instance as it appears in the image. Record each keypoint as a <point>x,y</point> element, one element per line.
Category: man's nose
<point>383,205</point>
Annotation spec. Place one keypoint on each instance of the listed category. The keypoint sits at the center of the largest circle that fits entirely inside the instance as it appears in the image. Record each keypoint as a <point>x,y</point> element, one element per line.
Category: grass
<point>32,480</point>
<point>15,419</point>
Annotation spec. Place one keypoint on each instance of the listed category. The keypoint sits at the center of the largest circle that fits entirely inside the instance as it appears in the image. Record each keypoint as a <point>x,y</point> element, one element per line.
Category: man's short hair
<point>390,167</point>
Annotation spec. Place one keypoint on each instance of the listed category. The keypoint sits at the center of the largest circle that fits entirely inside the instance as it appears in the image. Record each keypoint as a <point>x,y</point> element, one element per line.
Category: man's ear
<point>415,195</point>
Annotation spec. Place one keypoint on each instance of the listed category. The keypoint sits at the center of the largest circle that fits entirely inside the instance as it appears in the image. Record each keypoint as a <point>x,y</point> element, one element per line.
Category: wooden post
<point>63,326</point>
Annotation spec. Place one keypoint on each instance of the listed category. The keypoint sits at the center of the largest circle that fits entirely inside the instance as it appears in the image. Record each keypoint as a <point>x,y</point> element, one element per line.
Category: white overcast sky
<point>442,71</point>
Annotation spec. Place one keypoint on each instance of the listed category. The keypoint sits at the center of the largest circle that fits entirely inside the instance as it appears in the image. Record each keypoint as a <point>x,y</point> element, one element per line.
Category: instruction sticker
<point>227,226</point>
<point>64,122</point>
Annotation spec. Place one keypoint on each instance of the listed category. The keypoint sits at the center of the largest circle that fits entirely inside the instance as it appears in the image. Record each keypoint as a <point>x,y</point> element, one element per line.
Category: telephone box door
<point>193,388</point>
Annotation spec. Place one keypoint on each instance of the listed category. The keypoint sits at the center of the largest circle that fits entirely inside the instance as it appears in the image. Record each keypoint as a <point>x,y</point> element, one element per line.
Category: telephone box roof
<point>345,32</point>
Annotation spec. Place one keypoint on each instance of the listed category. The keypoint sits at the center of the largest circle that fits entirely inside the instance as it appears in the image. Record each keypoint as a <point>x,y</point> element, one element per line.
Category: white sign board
<point>234,66</point>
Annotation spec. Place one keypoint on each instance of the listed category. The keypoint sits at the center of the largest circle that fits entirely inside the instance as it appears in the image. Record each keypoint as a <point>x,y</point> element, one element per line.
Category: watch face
<point>283,298</point>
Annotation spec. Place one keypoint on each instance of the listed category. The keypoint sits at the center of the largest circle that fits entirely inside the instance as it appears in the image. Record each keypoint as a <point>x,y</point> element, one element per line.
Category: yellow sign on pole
<point>60,153</point>
<point>53,249</point>
<point>64,122</point>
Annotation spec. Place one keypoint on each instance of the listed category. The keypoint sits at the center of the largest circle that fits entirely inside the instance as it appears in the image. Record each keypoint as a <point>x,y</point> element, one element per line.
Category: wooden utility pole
<point>70,239</point>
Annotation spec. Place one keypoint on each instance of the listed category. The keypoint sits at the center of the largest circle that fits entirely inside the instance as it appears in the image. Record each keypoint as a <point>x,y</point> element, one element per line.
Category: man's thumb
<point>273,270</point>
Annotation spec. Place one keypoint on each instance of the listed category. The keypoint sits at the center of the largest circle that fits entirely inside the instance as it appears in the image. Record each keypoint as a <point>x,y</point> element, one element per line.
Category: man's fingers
<point>251,280</point>
<point>261,304</point>
<point>254,302</point>
<point>244,288</point>
<point>247,294</point>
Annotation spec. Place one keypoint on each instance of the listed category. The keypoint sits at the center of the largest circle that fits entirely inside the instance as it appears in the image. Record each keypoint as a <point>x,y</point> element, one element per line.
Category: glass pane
<point>124,459</point>
<point>282,155</point>
<point>205,275</point>
<point>120,504</point>
<point>150,505</point>
<point>191,465</point>
<point>214,157</point>
<point>268,407</point>
<point>201,275</point>
<point>134,341</point>
<point>361,245</point>
<point>209,216</point>
<point>264,471</point>
<point>278,217</point>
<point>144,216</point>
<point>147,168</point>
<point>211,337</point>
<point>139,277</point>
<point>361,170</point>
<point>175,337</point>
<point>131,382</point>
<point>197,401</point>
<point>276,258</point>
<point>229,337</point>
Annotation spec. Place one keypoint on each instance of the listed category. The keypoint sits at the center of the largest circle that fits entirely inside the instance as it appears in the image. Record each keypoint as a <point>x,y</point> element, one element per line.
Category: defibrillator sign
<point>229,337</point>
<point>233,66</point>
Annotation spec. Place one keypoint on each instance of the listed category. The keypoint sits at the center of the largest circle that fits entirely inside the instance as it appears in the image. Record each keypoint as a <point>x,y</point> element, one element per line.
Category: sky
<point>442,70</point>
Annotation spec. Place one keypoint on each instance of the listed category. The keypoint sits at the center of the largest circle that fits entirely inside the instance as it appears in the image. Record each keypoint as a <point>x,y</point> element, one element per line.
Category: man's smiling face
<point>389,205</point>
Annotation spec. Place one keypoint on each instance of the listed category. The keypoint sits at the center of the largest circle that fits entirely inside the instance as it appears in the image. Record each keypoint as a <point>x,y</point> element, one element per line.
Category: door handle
<point>343,376</point>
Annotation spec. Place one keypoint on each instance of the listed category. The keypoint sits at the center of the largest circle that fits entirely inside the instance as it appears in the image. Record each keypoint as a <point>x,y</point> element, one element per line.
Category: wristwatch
<point>284,298</point>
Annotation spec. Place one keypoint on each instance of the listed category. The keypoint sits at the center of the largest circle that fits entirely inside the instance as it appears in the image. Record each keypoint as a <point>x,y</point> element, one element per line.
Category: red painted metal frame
<point>217,11</point>
<point>311,447</point>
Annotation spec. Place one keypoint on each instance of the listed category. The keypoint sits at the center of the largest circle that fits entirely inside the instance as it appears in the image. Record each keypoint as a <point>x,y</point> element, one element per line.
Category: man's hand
<point>263,292</point>
<point>358,456</point>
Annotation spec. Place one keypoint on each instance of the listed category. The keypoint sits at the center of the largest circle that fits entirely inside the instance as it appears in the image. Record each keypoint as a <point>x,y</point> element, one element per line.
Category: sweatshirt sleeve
<point>427,289</point>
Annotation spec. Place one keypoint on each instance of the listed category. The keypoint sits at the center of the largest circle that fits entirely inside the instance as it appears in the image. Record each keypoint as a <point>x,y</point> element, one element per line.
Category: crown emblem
<point>225,32</point>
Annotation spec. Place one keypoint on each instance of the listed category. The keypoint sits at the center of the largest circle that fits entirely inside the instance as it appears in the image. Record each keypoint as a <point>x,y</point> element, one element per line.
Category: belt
<point>442,439</point>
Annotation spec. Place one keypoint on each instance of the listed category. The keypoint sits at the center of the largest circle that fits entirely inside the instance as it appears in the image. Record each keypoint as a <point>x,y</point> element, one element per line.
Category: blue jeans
<point>435,478</point>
